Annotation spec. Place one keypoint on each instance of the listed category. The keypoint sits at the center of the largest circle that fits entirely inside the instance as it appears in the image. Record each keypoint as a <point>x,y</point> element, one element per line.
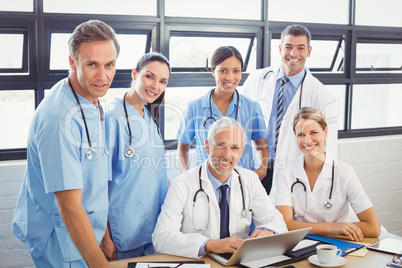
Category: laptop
<point>262,251</point>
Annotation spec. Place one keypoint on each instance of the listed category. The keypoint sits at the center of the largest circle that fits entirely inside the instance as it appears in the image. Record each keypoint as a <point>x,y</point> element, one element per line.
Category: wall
<point>377,162</point>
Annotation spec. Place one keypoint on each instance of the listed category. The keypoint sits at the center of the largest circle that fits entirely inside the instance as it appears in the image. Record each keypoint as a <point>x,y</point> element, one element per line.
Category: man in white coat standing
<point>210,207</point>
<point>282,91</point>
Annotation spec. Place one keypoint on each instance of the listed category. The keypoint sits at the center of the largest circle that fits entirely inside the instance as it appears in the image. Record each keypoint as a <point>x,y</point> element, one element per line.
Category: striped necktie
<point>285,79</point>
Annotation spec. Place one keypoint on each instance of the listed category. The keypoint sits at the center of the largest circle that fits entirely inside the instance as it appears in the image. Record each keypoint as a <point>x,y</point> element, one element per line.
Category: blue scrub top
<point>249,116</point>
<point>56,161</point>
<point>139,184</point>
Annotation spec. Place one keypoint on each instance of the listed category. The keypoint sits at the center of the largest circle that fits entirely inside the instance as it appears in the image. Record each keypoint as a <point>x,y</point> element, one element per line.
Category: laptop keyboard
<point>226,255</point>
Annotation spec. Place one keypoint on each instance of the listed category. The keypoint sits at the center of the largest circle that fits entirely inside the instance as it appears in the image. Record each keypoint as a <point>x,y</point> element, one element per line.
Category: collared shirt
<point>216,184</point>
<point>347,192</point>
<point>290,90</point>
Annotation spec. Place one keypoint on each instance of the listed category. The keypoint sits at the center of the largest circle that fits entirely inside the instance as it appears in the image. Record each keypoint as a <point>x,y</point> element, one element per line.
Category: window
<point>117,7</point>
<point>12,53</point>
<point>17,5</point>
<point>379,57</point>
<point>194,53</point>
<point>387,13</point>
<point>16,112</point>
<point>309,11</point>
<point>226,9</point>
<point>381,106</point>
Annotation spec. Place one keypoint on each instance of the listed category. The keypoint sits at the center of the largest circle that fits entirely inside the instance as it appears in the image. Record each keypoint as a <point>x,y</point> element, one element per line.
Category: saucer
<point>339,261</point>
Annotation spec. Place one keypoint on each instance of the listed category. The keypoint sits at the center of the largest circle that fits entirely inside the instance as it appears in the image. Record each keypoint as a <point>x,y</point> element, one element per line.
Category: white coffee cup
<point>327,254</point>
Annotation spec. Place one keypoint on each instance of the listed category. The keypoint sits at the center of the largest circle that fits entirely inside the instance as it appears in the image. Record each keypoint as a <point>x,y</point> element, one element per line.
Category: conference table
<point>372,259</point>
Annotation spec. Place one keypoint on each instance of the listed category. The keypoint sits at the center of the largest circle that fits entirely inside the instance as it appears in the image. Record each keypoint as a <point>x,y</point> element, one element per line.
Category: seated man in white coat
<point>195,219</point>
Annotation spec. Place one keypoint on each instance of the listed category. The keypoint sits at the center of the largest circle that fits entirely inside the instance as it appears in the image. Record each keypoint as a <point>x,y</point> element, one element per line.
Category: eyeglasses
<point>396,261</point>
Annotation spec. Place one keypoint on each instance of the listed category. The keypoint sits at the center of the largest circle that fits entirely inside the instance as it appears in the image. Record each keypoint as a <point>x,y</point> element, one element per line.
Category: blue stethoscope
<point>211,117</point>
<point>201,191</point>
<point>327,204</point>
<point>301,87</point>
<point>91,154</point>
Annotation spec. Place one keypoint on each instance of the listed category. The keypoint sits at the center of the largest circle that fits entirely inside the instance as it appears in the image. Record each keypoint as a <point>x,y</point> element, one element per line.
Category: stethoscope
<point>327,204</point>
<point>201,191</point>
<point>301,86</point>
<point>210,107</point>
<point>129,152</point>
<point>91,154</point>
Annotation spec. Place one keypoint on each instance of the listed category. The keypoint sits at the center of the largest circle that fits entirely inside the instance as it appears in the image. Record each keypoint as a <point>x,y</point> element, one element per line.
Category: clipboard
<point>134,264</point>
<point>345,246</point>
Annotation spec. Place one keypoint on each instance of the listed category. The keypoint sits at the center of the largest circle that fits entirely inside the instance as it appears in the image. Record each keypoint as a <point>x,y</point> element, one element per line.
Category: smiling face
<point>227,75</point>
<point>151,81</point>
<point>294,51</point>
<point>93,70</point>
<point>224,152</point>
<point>310,137</point>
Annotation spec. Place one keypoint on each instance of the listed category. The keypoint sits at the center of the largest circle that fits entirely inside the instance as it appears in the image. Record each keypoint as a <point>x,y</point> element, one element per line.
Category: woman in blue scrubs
<point>139,179</point>
<point>224,100</point>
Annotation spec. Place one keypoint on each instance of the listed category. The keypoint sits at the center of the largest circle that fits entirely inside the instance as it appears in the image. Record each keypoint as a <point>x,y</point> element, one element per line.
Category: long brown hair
<point>154,107</point>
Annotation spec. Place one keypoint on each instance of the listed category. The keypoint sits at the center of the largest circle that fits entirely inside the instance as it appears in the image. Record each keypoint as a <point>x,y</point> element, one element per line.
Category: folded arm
<point>354,231</point>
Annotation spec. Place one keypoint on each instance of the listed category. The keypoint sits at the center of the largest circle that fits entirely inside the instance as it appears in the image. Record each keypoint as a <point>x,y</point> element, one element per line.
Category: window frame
<point>39,26</point>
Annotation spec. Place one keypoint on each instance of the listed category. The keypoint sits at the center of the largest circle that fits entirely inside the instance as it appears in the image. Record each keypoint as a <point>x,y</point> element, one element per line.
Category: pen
<point>349,250</point>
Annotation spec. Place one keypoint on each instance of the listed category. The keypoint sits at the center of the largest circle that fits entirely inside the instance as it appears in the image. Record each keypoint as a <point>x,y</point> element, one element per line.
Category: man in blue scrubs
<point>61,211</point>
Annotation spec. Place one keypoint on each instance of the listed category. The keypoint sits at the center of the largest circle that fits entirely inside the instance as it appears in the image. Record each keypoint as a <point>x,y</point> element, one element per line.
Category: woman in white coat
<point>316,190</point>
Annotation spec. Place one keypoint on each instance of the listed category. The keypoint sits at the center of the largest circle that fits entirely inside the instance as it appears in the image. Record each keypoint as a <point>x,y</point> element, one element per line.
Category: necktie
<point>224,207</point>
<point>280,109</point>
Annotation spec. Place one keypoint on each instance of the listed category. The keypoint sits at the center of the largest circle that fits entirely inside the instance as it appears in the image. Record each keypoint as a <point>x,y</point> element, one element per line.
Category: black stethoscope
<point>210,107</point>
<point>301,86</point>
<point>201,190</point>
<point>129,152</point>
<point>91,154</point>
<point>327,204</point>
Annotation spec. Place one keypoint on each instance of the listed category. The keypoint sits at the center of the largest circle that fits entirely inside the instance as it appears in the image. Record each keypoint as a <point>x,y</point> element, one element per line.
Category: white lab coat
<point>347,192</point>
<point>260,86</point>
<point>174,232</point>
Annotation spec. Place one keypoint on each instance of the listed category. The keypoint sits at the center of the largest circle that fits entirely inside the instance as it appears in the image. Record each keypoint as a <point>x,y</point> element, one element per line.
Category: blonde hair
<point>310,113</point>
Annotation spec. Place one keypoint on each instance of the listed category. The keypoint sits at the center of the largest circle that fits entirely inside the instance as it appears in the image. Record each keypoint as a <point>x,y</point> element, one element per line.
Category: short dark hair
<point>296,30</point>
<point>223,53</point>
<point>91,31</point>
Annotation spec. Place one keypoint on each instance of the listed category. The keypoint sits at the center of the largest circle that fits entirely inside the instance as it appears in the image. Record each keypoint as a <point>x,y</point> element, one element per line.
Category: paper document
<point>304,243</point>
<point>170,265</point>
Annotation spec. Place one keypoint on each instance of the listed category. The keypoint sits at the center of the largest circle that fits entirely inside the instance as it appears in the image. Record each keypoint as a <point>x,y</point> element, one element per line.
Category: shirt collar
<point>326,171</point>
<point>215,182</point>
<point>296,79</point>
<point>206,97</point>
